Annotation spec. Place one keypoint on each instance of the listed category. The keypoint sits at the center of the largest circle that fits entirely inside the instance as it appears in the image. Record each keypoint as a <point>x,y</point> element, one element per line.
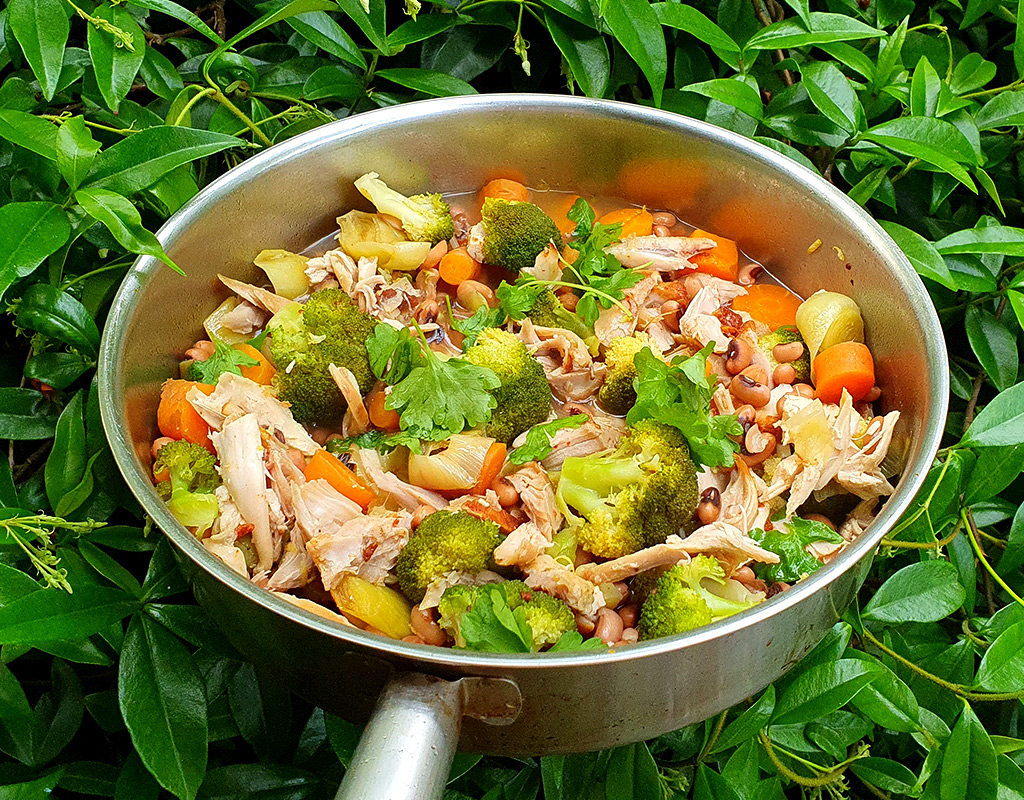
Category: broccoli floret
<point>425,217</point>
<point>633,497</point>
<point>524,395</point>
<point>617,394</point>
<point>690,595</point>
<point>787,334</point>
<point>192,479</point>
<point>548,312</point>
<point>306,340</point>
<point>548,617</point>
<point>511,234</point>
<point>445,542</point>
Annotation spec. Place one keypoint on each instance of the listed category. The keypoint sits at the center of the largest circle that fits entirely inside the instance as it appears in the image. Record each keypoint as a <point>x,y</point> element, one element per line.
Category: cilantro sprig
<point>225,358</point>
<point>791,548</point>
<point>537,445</point>
<point>479,321</point>
<point>679,394</point>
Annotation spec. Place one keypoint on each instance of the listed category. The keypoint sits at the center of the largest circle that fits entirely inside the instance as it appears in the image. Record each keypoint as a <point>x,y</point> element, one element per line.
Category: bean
<point>434,255</point>
<point>666,218</point>
<point>756,373</point>
<point>630,636</point>
<point>670,314</point>
<point>738,355</point>
<point>508,495</point>
<point>744,575</point>
<point>662,230</point>
<point>473,295</point>
<point>609,626</point>
<point>748,273</point>
<point>710,505</point>
<point>749,391</point>
<point>584,624</point>
<point>200,351</point>
<point>569,300</point>
<point>873,394</point>
<point>804,390</point>
<point>414,639</point>
<point>781,403</point>
<point>784,353</point>
<point>582,557</point>
<point>746,415</point>
<point>752,459</point>
<point>784,373</point>
<point>160,442</point>
<point>420,514</point>
<point>823,519</point>
<point>427,311</point>
<point>423,624</point>
<point>629,614</point>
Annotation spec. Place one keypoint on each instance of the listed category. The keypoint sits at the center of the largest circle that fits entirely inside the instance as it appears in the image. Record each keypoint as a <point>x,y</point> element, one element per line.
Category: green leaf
<point>821,690</point>
<point>1002,666</point>
<point>76,151</point>
<point>58,370</point>
<point>689,19</point>
<point>832,94</point>
<point>370,22</point>
<point>1000,239</point>
<point>436,84</point>
<point>734,92</point>
<point>142,159</point>
<point>934,141</point>
<point>888,701</point>
<point>1000,423</point>
<point>748,723</point>
<point>1006,108</point>
<point>182,15</point>
<point>994,345</point>
<point>887,775</point>
<point>924,592</point>
<point>585,51</point>
<point>420,29</point>
<point>636,27</point>
<point>25,414</point>
<point>925,88</point>
<point>971,72</point>
<point>66,463</point>
<point>922,254</point>
<point>109,567</point>
<point>116,59</point>
<point>51,614</point>
<point>321,29</point>
<point>1018,52</point>
<point>59,315</point>
<point>41,28</point>
<point>537,445</point>
<point>823,28</point>
<point>790,542</point>
<point>29,233</point>
<point>969,765</point>
<point>161,695</point>
<point>632,773</point>
<point>332,83</point>
<point>17,723</point>
<point>30,132</point>
<point>261,782</point>
<point>123,221</point>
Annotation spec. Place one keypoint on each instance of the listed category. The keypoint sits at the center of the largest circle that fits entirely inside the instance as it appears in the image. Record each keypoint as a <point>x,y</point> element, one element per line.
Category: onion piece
<point>286,270</point>
<point>455,468</point>
<point>216,331</point>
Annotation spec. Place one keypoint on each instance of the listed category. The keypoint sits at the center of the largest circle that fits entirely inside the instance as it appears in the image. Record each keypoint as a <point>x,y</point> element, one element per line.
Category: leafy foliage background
<point>113,115</point>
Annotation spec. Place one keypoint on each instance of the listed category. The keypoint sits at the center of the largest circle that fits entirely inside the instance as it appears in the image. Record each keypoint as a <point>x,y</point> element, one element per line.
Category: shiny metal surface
<point>289,196</point>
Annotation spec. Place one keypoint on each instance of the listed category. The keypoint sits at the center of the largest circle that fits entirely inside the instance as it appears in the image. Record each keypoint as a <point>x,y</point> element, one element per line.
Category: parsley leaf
<point>437,398</point>
<point>393,352</point>
<point>679,394</point>
<point>517,300</point>
<point>571,640</point>
<point>491,626</point>
<point>790,546</point>
<point>537,445</point>
<point>225,358</point>
<point>481,319</point>
<point>375,440</point>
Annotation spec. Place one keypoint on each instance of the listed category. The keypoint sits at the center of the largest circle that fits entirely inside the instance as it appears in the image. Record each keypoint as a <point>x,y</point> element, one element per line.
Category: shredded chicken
<point>357,419</point>
<point>366,546</point>
<point>245,319</point>
<point>239,451</point>
<point>600,432</point>
<point>223,546</point>
<point>547,266</point>
<point>261,298</point>
<point>663,253</point>
<point>237,395</point>
<point>614,322</point>
<point>405,494</point>
<point>577,592</point>
<point>522,546</point>
<point>296,569</point>
<point>570,369</point>
<point>320,508</point>
<point>538,497</point>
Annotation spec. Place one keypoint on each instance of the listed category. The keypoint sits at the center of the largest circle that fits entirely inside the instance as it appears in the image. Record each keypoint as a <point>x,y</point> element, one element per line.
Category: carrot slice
<point>505,189</point>
<point>329,468</point>
<point>262,372</point>
<point>635,221</point>
<point>847,365</point>
<point>457,266</point>
<point>494,460</point>
<point>382,417</point>
<point>722,261</point>
<point>177,419</point>
<point>773,305</point>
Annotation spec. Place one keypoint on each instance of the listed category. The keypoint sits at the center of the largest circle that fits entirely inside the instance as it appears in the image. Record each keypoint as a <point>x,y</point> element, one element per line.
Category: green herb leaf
<point>490,626</point>
<point>537,445</point>
<point>790,545</point>
<point>225,358</point>
<point>393,353</point>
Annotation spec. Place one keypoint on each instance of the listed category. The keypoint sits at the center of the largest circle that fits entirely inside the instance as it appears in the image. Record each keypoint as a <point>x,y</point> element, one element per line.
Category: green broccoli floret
<point>306,340</point>
<point>524,396</point>
<point>548,617</point>
<point>445,542</point>
<point>191,483</point>
<point>617,394</point>
<point>425,217</point>
<point>548,312</point>
<point>690,595</point>
<point>633,497</point>
<point>511,234</point>
<point>787,334</point>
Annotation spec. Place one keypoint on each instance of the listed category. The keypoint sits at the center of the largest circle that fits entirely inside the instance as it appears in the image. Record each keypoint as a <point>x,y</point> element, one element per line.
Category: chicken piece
<point>405,494</point>
<point>570,369</point>
<point>434,591</point>
<point>314,608</point>
<point>723,401</point>
<point>240,453</point>
<point>320,508</point>
<point>357,419</point>
<point>245,319</point>
<point>661,337</point>
<point>859,519</point>
<point>237,395</point>
<point>222,545</point>
<point>485,507</point>
<point>614,322</point>
<point>367,546</point>
<point>861,472</point>
<point>261,298</point>
<point>599,433</point>
<point>547,266</point>
<point>740,498</point>
<point>295,569</point>
<point>663,253</point>
<point>538,497</point>
<point>282,472</point>
<point>699,329</point>
<point>549,576</point>
<point>522,546</point>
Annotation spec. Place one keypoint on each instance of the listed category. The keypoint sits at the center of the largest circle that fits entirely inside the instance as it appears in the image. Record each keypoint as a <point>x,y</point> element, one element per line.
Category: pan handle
<point>407,747</point>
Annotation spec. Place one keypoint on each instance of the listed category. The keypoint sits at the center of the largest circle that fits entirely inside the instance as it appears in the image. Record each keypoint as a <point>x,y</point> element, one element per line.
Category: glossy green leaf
<point>332,83</point>
<point>632,773</point>
<point>122,219</point>
<point>76,151</point>
<point>1002,666</point>
<point>969,766</point>
<point>1006,108</point>
<point>1000,423</point>
<point>994,345</point>
<point>824,28</point>
<point>160,692</point>
<point>58,370</point>
<point>321,29</point>
<point>41,28</point>
<point>65,465</point>
<point>116,57</point>
<point>369,16</point>
<point>888,701</point>
<point>924,592</point>
<point>925,88</point>
<point>17,723</point>
<point>55,614</point>
<point>1001,239</point>
<point>689,19</point>
<point>635,25</point>
<point>736,93</point>
<point>822,689</point>
<point>885,774</point>
<point>436,84</point>
<point>26,414</point>
<point>932,140</point>
<point>922,253</point>
<point>181,14</point>
<point>832,95</point>
<point>30,132</point>
<point>59,315</point>
<point>585,51</point>
<point>260,782</point>
<point>29,233</point>
<point>748,723</point>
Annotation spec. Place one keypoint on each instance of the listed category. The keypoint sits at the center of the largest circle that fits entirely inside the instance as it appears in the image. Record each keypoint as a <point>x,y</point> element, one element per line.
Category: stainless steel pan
<point>430,700</point>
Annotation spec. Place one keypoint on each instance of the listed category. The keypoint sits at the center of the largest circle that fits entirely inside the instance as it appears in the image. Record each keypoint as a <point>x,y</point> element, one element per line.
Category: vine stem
<point>936,545</point>
<point>713,739</point>
<point>221,98</point>
<point>188,106</point>
<point>821,780</point>
<point>972,534</point>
